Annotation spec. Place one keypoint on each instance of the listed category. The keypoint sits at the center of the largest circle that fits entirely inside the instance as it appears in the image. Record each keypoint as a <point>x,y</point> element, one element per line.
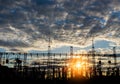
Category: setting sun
<point>78,65</point>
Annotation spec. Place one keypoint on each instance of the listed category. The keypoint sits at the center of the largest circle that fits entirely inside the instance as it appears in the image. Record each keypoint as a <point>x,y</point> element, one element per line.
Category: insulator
<point>99,62</point>
<point>7,61</point>
<point>109,62</point>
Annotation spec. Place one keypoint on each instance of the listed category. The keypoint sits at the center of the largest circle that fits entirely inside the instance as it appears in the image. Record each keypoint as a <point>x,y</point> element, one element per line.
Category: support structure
<point>93,57</point>
<point>114,55</point>
<point>71,51</point>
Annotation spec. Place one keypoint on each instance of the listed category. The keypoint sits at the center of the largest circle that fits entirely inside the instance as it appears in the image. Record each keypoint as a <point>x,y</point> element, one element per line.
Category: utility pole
<point>114,55</point>
<point>0,58</point>
<point>93,57</point>
<point>71,51</point>
<point>49,56</point>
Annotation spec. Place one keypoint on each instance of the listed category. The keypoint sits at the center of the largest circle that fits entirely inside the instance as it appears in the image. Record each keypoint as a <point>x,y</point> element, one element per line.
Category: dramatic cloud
<point>28,24</point>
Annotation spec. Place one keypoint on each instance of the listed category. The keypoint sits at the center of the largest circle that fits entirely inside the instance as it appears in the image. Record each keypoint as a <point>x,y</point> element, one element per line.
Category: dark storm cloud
<point>25,23</point>
<point>43,2</point>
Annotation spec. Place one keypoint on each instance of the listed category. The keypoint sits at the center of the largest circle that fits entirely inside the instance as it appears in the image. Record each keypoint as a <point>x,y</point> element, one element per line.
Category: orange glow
<point>77,67</point>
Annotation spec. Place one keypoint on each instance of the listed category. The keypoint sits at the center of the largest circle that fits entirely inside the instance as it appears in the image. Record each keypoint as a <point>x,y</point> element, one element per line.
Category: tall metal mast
<point>93,56</point>
<point>49,49</point>
<point>114,54</point>
<point>49,46</point>
<point>49,52</point>
<point>71,51</point>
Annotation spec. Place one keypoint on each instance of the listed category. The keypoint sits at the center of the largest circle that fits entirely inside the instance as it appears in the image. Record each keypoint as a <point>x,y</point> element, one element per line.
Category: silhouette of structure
<point>37,66</point>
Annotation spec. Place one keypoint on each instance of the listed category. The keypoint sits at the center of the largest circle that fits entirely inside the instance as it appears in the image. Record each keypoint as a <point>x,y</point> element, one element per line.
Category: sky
<point>27,25</point>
